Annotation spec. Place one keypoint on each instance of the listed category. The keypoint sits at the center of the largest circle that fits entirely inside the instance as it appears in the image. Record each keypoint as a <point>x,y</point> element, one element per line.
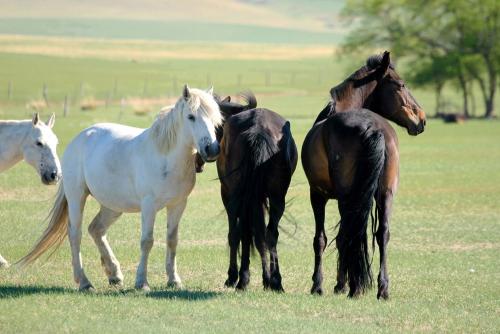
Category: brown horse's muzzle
<point>417,121</point>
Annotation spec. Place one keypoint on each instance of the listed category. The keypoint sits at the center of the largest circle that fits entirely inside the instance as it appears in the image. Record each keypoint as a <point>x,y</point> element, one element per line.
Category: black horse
<point>351,154</point>
<point>257,159</point>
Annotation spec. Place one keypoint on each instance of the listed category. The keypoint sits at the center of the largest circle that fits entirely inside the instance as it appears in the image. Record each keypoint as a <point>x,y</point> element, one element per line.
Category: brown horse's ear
<point>386,62</point>
<point>35,119</point>
<point>226,99</point>
<point>185,92</point>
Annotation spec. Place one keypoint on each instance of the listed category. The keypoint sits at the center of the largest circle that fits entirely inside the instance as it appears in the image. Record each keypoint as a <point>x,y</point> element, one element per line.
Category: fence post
<point>9,91</point>
<point>174,85</point>
<point>45,94</point>
<point>145,88</point>
<point>115,87</point>
<point>268,78</point>
<point>108,100</point>
<point>65,106</point>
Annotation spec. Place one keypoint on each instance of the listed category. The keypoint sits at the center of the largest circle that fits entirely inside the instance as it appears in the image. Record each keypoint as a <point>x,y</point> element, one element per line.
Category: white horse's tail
<point>55,233</point>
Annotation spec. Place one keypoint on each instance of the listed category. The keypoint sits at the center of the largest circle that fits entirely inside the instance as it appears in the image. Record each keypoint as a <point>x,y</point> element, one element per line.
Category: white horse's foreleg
<point>174,214</point>
<point>148,213</point>
<point>97,229</point>
<point>3,262</point>
<point>75,212</point>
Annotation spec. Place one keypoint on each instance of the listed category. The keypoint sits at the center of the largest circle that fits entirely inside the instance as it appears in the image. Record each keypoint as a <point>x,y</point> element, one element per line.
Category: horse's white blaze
<point>36,143</point>
<point>129,169</point>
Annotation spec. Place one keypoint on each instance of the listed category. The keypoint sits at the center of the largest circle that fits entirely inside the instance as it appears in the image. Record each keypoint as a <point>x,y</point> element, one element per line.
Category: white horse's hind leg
<point>3,262</point>
<point>174,214</point>
<point>97,229</point>
<point>75,213</point>
<point>148,213</point>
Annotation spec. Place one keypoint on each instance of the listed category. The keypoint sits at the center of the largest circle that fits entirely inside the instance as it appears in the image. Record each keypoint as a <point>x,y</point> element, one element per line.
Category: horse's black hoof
<point>276,285</point>
<point>87,288</point>
<point>383,293</point>
<point>241,286</point>
<point>317,290</point>
<point>339,289</point>
<point>230,283</point>
<point>115,282</point>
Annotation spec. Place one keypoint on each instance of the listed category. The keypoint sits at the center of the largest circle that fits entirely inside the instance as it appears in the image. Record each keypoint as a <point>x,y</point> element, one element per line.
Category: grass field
<point>445,233</point>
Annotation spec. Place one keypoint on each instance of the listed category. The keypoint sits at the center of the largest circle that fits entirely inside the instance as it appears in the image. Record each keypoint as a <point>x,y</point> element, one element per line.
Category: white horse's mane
<point>169,121</point>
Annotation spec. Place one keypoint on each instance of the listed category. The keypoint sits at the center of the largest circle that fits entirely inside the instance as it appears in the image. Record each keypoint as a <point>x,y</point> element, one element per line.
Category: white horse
<point>33,141</point>
<point>128,169</point>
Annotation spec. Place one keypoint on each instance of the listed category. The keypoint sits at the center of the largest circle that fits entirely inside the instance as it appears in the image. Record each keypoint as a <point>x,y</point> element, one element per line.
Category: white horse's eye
<point>191,117</point>
<point>39,144</point>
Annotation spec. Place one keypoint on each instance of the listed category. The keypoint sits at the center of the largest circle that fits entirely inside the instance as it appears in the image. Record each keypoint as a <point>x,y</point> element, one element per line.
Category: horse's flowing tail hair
<point>55,233</point>
<point>250,198</point>
<point>355,208</point>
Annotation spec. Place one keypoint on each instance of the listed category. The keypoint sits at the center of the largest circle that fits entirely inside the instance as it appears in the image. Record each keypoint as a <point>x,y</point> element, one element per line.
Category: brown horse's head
<point>379,88</point>
<point>392,99</point>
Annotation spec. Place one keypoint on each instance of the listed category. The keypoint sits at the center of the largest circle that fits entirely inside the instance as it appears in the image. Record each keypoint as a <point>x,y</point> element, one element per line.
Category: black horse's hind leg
<point>245,261</point>
<point>260,244</point>
<point>276,209</point>
<point>384,207</point>
<point>341,274</point>
<point>318,203</point>
<point>234,241</point>
<point>233,238</point>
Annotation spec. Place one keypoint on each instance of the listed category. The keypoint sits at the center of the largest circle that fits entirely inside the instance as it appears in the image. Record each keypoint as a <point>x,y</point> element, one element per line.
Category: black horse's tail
<point>355,210</point>
<point>251,196</point>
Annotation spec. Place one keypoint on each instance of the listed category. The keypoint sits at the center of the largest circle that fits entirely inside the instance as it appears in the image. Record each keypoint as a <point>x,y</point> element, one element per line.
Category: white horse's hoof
<point>143,286</point>
<point>174,284</point>
<point>115,281</point>
<point>86,288</point>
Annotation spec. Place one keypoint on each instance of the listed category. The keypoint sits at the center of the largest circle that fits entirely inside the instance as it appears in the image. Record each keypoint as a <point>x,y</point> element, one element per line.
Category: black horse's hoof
<point>317,290</point>
<point>230,283</point>
<point>383,293</point>
<point>339,289</point>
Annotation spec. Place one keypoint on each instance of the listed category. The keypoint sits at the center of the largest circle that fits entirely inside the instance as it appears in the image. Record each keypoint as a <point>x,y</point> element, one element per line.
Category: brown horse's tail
<point>355,208</point>
<point>55,233</point>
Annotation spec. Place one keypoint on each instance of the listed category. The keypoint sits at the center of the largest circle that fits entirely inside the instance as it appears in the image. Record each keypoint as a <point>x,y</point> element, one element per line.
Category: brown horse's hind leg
<point>384,207</point>
<point>318,203</point>
<point>260,244</point>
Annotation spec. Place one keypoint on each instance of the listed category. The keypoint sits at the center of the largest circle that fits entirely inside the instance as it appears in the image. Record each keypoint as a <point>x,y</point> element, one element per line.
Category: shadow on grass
<point>194,295</point>
<point>16,291</point>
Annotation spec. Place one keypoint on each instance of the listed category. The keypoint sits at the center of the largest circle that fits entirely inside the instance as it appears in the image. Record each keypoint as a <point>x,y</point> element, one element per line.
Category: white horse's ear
<point>211,90</point>
<point>185,92</point>
<point>51,121</point>
<point>36,118</point>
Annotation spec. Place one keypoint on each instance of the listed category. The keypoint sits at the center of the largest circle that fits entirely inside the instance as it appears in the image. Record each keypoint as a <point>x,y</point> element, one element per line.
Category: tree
<point>464,33</point>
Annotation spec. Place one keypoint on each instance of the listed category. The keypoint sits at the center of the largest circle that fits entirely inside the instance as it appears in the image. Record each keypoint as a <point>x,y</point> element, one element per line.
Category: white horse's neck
<point>12,137</point>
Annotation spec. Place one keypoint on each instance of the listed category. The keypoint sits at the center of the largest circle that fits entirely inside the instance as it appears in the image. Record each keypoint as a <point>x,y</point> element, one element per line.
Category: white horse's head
<point>201,115</point>
<point>39,150</point>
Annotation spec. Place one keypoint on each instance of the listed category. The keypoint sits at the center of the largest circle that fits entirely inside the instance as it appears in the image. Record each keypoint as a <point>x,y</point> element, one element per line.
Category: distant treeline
<point>445,41</point>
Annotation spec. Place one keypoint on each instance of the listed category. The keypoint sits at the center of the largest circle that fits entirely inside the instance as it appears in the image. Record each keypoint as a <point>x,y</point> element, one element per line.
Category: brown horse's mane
<point>358,79</point>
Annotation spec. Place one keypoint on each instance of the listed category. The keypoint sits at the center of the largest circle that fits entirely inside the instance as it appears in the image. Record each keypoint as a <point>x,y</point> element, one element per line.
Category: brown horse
<point>351,154</point>
<point>257,159</point>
